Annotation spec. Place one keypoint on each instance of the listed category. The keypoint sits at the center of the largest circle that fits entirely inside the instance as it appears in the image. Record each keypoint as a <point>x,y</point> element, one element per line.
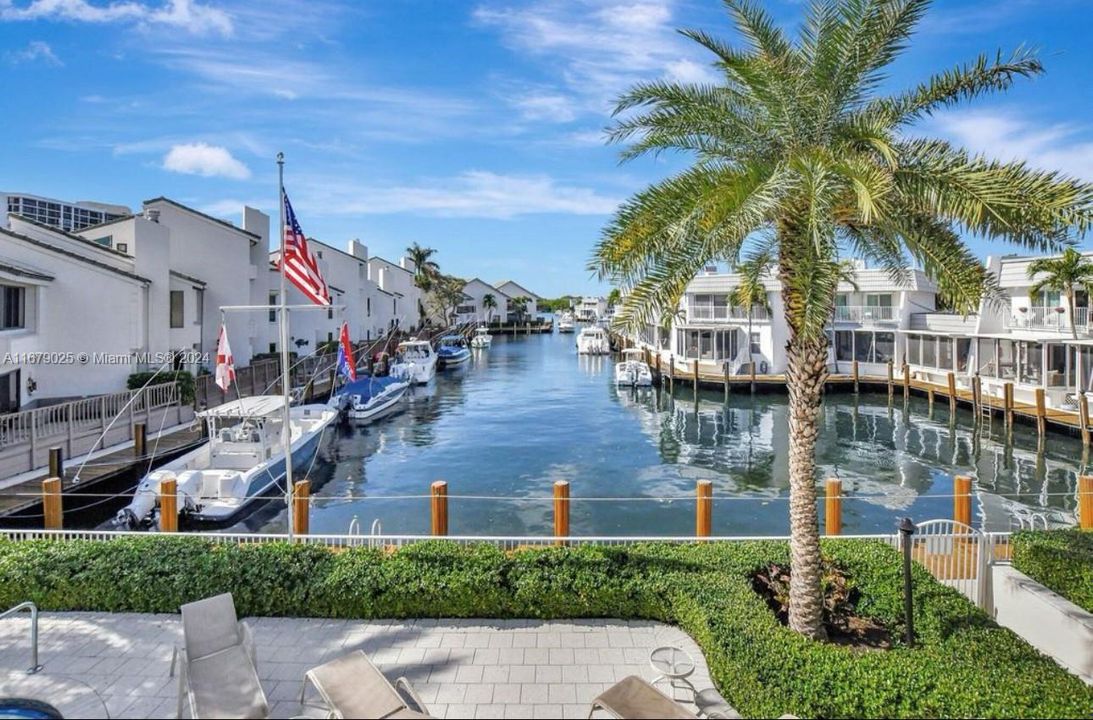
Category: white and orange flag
<point>225,363</point>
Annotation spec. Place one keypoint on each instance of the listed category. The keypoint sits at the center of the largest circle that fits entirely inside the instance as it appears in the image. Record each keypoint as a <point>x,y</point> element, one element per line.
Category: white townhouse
<point>400,300</point>
<point>514,290</point>
<point>473,308</point>
<point>591,309</point>
<point>1028,339</point>
<point>869,315</point>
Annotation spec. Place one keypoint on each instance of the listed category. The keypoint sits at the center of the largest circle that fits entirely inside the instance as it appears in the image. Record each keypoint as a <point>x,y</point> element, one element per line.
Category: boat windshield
<point>451,342</point>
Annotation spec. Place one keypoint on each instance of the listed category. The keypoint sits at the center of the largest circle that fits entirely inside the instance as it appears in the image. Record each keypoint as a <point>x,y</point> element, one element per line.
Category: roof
<point>491,287</point>
<point>23,272</point>
<point>388,262</point>
<point>127,216</point>
<point>75,256</point>
<point>184,276</point>
<point>524,290</point>
<point>254,237</point>
<point>254,406</point>
<point>71,236</point>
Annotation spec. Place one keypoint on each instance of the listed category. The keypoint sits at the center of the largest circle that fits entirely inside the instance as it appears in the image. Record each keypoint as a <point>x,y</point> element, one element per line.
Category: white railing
<point>725,313</point>
<point>865,313</point>
<point>1049,318</point>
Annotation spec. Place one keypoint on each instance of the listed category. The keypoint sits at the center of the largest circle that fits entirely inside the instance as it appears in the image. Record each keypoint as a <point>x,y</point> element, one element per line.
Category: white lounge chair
<point>218,675</point>
<point>352,687</point>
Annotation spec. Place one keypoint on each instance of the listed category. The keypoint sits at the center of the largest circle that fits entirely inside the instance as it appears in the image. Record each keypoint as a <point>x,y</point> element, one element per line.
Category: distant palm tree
<point>614,297</point>
<point>795,141</point>
<point>425,270</point>
<point>489,302</point>
<point>1063,274</point>
<point>520,306</point>
<point>751,291</point>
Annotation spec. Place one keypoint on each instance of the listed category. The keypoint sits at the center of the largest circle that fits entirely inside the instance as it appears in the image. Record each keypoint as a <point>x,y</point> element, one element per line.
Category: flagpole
<point>286,430</point>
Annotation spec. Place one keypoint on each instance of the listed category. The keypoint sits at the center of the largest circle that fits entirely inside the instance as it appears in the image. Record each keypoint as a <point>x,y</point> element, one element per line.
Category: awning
<point>256,406</point>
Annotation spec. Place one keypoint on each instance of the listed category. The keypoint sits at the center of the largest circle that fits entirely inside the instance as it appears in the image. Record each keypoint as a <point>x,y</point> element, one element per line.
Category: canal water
<point>530,411</point>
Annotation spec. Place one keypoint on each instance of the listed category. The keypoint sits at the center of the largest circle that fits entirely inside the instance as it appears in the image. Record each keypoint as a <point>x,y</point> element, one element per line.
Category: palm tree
<point>489,302</point>
<point>614,297</point>
<point>1062,274</point>
<point>425,270</point>
<point>520,306</point>
<point>795,142</point>
<point>751,291</point>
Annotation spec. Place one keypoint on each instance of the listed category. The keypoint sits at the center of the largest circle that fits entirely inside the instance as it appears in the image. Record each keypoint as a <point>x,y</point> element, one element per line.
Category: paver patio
<point>461,668</point>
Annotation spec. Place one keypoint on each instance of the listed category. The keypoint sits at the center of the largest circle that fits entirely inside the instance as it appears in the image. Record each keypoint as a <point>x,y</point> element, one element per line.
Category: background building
<point>60,214</point>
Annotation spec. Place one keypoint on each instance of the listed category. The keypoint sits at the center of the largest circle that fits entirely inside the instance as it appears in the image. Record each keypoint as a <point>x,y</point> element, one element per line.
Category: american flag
<point>300,264</point>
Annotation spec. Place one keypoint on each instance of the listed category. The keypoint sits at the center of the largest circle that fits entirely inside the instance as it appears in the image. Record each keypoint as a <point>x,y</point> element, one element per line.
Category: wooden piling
<point>704,508</point>
<point>891,381</point>
<point>1085,502</point>
<point>696,378</point>
<point>962,499</point>
<point>1083,418</point>
<point>951,378</point>
<point>671,373</point>
<point>301,506</point>
<point>977,396</point>
<point>833,507</point>
<point>56,462</point>
<point>53,515</point>
<point>1041,413</point>
<point>140,439</point>
<point>168,505</point>
<point>752,376</point>
<point>728,385</point>
<point>1007,403</point>
<point>906,381</point>
<point>439,491</point>
<point>561,510</point>
<point>854,373</point>
<point>930,398</point>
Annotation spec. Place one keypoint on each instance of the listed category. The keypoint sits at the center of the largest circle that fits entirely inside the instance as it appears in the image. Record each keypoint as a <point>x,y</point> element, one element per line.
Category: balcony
<point>724,313</point>
<point>865,314</point>
<point>1051,319</point>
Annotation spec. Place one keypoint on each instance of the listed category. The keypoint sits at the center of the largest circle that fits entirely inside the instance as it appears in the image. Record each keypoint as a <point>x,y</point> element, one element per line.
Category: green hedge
<point>1060,559</point>
<point>184,379</point>
<point>963,665</point>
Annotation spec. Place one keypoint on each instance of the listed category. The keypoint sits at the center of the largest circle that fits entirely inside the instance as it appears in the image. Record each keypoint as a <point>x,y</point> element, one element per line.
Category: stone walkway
<point>461,668</point>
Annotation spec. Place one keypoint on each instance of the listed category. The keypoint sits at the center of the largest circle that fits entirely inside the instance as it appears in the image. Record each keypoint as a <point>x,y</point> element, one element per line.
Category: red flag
<point>225,363</point>
<point>347,366</point>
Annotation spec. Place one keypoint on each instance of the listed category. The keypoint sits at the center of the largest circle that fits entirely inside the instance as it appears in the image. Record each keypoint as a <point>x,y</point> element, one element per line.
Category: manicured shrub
<point>963,665</point>
<point>184,379</point>
<point>1059,559</point>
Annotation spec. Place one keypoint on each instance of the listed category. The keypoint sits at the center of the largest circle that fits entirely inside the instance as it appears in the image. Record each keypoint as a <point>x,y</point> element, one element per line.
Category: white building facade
<point>473,308</point>
<point>514,290</point>
<point>400,300</point>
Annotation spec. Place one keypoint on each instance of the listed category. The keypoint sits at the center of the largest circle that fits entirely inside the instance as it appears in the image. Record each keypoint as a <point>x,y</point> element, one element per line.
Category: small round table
<point>674,665</point>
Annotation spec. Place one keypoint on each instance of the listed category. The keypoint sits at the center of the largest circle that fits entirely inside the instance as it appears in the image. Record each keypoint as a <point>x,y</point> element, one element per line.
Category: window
<point>863,346</point>
<point>756,345</point>
<point>177,298</point>
<point>368,303</point>
<point>944,353</point>
<point>929,351</point>
<point>1007,359</point>
<point>844,345</point>
<point>1032,362</point>
<point>272,348</point>
<point>884,347</point>
<point>199,296</point>
<point>106,240</point>
<point>963,350</point>
<point>272,312</point>
<point>123,247</point>
<point>914,350</point>
<point>12,312</point>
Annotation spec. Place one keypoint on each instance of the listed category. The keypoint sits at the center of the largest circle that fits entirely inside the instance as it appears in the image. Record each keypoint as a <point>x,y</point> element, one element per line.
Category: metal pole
<point>286,430</point>
<point>906,530</point>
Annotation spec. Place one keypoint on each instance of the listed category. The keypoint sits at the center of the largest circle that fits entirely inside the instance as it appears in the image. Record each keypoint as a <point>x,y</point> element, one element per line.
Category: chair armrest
<point>406,690</point>
<point>246,639</point>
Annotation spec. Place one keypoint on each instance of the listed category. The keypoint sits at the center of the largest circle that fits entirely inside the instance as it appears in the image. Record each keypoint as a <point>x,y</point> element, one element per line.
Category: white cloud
<point>471,194</point>
<point>1007,136</point>
<point>188,15</point>
<point>688,71</point>
<point>550,107</point>
<point>36,50</point>
<point>204,159</point>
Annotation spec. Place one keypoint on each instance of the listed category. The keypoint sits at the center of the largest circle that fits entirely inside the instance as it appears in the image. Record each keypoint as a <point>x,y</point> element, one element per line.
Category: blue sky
<point>472,127</point>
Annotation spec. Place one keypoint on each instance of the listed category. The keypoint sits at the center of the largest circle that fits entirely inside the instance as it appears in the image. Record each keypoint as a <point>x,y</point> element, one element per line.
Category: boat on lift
<point>566,324</point>
<point>481,339</point>
<point>632,370</point>
<point>452,351</point>
<point>593,340</point>
<point>415,362</point>
<point>242,462</point>
<point>369,398</point>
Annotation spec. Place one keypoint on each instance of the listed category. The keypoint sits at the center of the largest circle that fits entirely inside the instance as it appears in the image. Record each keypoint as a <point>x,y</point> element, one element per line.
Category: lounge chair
<point>352,687</point>
<point>219,675</point>
<point>635,699</point>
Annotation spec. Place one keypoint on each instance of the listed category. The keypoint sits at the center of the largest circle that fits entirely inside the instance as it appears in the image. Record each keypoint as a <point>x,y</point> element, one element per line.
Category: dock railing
<point>83,425</point>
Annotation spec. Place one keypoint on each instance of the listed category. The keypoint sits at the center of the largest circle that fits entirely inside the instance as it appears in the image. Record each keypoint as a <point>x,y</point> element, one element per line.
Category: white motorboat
<point>593,341</point>
<point>481,339</point>
<point>566,323</point>
<point>632,370</point>
<point>377,399</point>
<point>242,461</point>
<point>415,362</point>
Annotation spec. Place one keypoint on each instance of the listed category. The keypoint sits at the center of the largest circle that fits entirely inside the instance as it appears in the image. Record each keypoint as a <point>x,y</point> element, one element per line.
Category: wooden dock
<point>112,474</point>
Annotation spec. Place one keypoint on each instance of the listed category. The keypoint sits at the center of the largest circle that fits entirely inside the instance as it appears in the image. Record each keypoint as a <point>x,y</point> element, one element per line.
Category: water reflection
<point>530,411</point>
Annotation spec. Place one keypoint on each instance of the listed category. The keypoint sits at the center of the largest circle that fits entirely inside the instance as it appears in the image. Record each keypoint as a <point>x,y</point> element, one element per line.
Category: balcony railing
<point>724,313</point>
<point>865,313</point>
<point>1049,318</point>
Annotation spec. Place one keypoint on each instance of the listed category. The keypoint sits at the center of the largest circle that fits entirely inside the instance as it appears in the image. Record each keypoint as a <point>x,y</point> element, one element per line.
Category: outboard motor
<point>140,512</point>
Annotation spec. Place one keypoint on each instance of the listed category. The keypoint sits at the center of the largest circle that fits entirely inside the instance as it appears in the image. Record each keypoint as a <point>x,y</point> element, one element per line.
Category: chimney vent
<point>152,215</point>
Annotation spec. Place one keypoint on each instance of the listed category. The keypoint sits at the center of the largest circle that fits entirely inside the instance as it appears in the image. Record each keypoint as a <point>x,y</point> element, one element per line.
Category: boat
<point>566,323</point>
<point>370,398</point>
<point>632,370</point>
<point>452,351</point>
<point>481,339</point>
<point>415,362</point>
<point>593,341</point>
<point>242,461</point>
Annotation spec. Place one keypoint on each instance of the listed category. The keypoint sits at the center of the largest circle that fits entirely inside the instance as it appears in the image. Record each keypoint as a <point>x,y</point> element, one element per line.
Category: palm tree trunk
<point>806,371</point>
<point>1070,309</point>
